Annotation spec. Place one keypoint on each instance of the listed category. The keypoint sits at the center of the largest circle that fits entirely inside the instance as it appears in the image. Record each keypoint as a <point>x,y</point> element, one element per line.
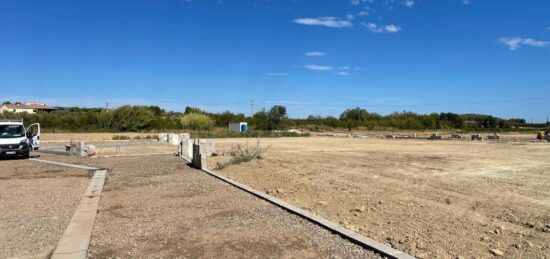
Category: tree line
<point>153,118</point>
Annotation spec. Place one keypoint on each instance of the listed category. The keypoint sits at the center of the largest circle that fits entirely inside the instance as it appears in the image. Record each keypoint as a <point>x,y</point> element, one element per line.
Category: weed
<point>243,153</point>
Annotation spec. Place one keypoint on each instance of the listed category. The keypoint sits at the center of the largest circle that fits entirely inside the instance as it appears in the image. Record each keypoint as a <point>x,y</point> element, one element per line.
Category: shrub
<point>121,137</point>
<point>196,121</point>
<point>242,154</point>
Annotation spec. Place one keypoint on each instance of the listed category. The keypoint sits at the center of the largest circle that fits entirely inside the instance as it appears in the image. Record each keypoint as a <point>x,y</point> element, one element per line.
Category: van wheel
<point>28,155</point>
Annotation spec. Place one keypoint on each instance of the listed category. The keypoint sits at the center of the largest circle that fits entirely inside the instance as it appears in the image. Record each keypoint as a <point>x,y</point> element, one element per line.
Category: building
<point>238,126</point>
<point>26,107</point>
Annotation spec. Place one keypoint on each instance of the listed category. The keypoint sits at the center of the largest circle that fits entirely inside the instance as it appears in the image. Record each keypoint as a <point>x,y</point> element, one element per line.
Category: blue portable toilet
<point>238,126</point>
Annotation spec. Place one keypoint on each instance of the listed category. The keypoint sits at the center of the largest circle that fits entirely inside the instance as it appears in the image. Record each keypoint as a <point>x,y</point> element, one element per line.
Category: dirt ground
<point>37,202</point>
<point>104,137</point>
<point>158,207</point>
<point>444,199</point>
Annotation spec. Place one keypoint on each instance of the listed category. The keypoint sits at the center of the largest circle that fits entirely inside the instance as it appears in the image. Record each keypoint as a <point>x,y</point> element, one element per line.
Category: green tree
<point>197,121</point>
<point>277,117</point>
<point>132,118</point>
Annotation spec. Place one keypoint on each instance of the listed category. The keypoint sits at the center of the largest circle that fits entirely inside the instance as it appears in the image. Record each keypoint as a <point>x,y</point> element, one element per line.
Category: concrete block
<point>477,137</point>
<point>186,147</point>
<point>163,137</point>
<point>184,136</point>
<point>210,146</point>
<point>200,153</point>
<point>78,149</point>
<point>495,136</point>
<point>435,136</point>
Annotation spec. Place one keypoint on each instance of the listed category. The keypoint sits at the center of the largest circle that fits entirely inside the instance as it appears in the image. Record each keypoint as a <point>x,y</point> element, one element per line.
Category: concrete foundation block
<point>173,139</point>
<point>199,156</point>
<point>210,146</point>
<point>435,136</point>
<point>477,137</point>
<point>163,137</point>
<point>78,149</point>
<point>495,136</point>
<point>184,136</point>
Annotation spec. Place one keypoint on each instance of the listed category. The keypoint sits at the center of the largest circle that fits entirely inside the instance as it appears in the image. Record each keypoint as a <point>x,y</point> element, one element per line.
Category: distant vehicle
<point>15,140</point>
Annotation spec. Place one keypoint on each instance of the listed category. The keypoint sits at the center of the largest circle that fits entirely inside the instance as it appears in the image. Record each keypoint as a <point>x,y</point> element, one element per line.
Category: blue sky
<point>314,56</point>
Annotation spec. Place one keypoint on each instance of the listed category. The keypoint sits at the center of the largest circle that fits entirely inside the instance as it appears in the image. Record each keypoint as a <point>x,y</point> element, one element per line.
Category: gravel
<point>158,207</point>
<point>37,202</point>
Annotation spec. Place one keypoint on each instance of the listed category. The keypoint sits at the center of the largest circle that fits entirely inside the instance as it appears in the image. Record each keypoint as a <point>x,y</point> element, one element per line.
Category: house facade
<point>26,107</point>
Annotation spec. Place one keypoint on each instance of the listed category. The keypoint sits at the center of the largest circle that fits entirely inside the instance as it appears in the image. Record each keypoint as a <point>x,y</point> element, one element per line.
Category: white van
<point>15,140</point>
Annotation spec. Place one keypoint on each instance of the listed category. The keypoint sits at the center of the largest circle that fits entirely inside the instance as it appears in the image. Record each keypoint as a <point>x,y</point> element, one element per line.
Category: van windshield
<point>12,131</point>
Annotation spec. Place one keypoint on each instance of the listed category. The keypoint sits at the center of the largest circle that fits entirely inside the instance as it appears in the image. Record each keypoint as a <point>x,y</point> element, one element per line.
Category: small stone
<point>529,244</point>
<point>496,252</point>
<point>322,203</point>
<point>518,246</point>
<point>359,209</point>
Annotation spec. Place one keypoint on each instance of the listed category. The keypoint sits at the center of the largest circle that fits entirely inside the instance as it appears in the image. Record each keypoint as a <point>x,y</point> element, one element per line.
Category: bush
<point>242,154</point>
<point>121,137</point>
<point>196,121</point>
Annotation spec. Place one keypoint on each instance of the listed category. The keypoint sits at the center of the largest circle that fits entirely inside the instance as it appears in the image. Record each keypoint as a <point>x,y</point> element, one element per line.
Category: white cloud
<point>344,68</point>
<point>390,28</point>
<point>350,16</point>
<point>466,2</point>
<point>277,74</point>
<point>324,21</point>
<point>315,54</point>
<point>535,43</point>
<point>408,3</point>
<point>517,42</point>
<point>318,67</point>
<point>343,73</point>
<point>355,2</point>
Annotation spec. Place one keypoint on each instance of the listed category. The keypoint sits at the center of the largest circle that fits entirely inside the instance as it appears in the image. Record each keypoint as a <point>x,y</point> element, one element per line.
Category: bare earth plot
<point>37,202</point>
<point>441,199</point>
<point>158,207</point>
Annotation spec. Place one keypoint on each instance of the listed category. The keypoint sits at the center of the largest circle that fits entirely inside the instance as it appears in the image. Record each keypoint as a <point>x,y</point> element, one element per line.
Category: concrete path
<point>76,239</point>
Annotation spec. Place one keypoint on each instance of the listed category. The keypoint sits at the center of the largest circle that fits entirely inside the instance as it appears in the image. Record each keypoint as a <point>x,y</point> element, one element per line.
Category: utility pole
<point>252,105</point>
